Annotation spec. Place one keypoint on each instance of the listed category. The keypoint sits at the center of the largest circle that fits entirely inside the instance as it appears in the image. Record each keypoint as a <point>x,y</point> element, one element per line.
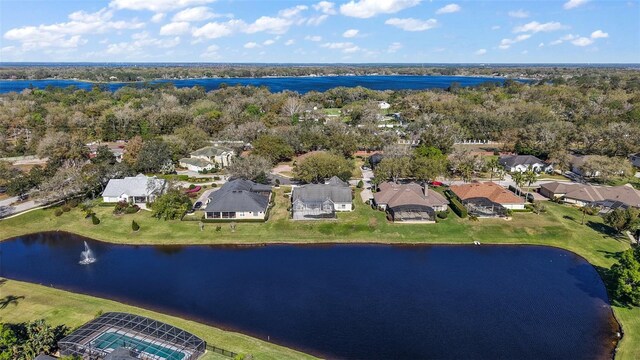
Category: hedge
<point>458,208</point>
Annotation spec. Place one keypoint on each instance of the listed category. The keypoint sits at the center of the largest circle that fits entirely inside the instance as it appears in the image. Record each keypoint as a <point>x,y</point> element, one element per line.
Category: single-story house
<point>522,163</point>
<point>196,164</point>
<point>321,201</point>
<point>487,198</point>
<point>116,148</point>
<point>635,159</point>
<point>409,202</point>
<point>136,189</point>
<point>239,199</point>
<point>608,197</point>
<point>383,105</point>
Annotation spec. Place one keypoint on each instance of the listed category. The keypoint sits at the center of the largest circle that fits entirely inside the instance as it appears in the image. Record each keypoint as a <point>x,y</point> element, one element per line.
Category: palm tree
<point>519,179</point>
<point>530,177</point>
<point>493,165</point>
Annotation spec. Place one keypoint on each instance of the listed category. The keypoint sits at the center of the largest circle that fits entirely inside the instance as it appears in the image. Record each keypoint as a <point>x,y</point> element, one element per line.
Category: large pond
<point>350,301</point>
<point>277,84</point>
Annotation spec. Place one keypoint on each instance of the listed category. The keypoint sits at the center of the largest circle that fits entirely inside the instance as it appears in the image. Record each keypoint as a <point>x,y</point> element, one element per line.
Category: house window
<point>343,206</point>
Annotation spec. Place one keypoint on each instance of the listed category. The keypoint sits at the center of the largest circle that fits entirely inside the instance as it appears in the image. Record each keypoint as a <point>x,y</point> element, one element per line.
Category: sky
<point>352,31</point>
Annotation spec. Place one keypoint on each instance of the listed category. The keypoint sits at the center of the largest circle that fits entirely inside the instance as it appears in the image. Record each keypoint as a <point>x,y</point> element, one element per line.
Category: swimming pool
<point>113,340</point>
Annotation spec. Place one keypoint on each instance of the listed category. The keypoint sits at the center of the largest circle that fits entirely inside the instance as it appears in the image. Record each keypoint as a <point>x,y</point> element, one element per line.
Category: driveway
<point>8,208</point>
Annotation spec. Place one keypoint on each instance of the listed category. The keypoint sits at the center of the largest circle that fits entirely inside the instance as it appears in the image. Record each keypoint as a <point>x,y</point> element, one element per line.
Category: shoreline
<point>612,352</point>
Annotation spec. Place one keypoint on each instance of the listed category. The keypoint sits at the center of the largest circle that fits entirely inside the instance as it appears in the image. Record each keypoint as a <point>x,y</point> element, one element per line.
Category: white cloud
<point>158,17</point>
<point>495,27</point>
<point>199,13</point>
<point>506,43</point>
<point>141,41</point>
<point>519,14</point>
<point>350,33</point>
<point>156,5</point>
<point>325,7</point>
<point>448,9</point>
<point>211,53</point>
<point>251,45</point>
<point>313,38</point>
<point>535,27</point>
<point>410,24</point>
<point>273,25</point>
<point>541,45</point>
<point>480,52</point>
<point>317,20</point>
<point>582,41</point>
<point>599,34</point>
<point>68,34</point>
<point>346,47</point>
<point>394,47</point>
<point>562,39</point>
<point>269,42</point>
<point>573,4</point>
<point>175,28</point>
<point>369,8</point>
<point>293,12</point>
<point>289,42</point>
<point>214,30</point>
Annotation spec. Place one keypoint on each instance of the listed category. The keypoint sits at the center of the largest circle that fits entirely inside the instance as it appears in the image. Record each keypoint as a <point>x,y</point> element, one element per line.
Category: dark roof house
<point>239,199</point>
<point>522,163</point>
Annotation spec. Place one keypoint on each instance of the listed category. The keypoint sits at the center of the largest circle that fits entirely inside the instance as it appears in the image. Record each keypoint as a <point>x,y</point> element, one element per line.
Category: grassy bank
<point>560,226</point>
<point>62,307</point>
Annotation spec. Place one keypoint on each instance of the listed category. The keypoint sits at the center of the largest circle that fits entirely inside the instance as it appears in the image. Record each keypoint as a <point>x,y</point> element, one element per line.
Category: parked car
<point>23,197</point>
<point>197,205</point>
<point>436,183</point>
<point>3,189</point>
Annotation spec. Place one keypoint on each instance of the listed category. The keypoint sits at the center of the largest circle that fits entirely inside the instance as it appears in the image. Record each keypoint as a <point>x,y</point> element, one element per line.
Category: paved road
<point>7,209</point>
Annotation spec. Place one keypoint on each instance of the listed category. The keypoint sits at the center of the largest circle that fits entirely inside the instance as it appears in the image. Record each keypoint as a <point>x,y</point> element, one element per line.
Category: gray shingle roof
<point>196,162</point>
<point>210,151</point>
<point>515,160</point>
<point>336,192</point>
<point>134,186</point>
<point>239,196</point>
<point>591,193</point>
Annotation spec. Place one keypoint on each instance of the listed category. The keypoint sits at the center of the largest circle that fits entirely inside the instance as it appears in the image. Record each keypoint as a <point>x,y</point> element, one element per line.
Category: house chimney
<point>425,188</point>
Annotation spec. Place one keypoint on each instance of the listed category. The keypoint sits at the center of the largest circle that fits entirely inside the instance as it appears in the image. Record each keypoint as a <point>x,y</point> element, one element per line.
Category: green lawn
<point>62,307</point>
<point>560,226</point>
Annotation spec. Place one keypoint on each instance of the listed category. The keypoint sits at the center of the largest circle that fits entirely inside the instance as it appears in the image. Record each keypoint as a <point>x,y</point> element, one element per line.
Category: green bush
<point>66,208</point>
<point>458,208</point>
<point>57,212</point>
<point>442,214</point>
<point>73,203</point>
<point>94,219</point>
<point>360,184</point>
<point>192,186</point>
<point>132,209</point>
<point>134,225</point>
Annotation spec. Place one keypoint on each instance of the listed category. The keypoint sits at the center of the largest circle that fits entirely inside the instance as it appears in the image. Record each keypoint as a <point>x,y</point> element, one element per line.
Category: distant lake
<point>278,84</point>
<point>349,301</point>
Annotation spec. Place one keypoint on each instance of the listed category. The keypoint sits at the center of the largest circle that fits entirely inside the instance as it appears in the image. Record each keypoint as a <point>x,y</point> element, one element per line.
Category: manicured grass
<point>560,226</point>
<point>70,309</point>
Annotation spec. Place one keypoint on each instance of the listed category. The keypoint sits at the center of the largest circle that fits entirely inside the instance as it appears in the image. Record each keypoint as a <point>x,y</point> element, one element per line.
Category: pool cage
<point>482,207</point>
<point>140,337</point>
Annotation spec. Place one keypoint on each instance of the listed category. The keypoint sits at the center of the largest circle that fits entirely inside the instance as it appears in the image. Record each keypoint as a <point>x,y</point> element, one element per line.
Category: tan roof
<point>394,195</point>
<point>488,190</point>
<point>591,193</point>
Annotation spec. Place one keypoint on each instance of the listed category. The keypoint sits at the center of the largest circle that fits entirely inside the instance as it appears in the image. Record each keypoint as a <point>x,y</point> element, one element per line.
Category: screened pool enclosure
<point>132,337</point>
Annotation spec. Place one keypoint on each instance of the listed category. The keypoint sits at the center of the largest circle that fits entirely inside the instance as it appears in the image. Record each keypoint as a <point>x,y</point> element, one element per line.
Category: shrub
<point>473,218</point>
<point>360,184</point>
<point>73,203</point>
<point>218,228</point>
<point>458,208</point>
<point>134,225</point>
<point>57,212</point>
<point>509,212</point>
<point>66,208</point>
<point>132,209</point>
<point>214,185</point>
<point>94,219</point>
<point>442,214</point>
<point>192,186</point>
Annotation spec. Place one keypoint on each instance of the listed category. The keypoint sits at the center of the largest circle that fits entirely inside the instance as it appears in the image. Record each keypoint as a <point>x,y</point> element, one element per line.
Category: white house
<point>522,163</point>
<point>136,189</point>
<point>221,157</point>
<point>320,201</point>
<point>196,164</point>
<point>383,105</point>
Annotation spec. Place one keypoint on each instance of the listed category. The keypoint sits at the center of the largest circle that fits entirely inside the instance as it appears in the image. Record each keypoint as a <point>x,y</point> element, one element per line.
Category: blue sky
<point>353,31</point>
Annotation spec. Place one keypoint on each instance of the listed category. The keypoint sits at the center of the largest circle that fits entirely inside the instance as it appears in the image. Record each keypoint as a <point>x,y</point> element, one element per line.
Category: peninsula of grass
<point>60,307</point>
<point>560,226</point>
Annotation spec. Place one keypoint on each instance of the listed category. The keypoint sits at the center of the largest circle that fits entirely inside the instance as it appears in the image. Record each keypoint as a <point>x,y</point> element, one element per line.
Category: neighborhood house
<point>635,159</point>
<point>239,199</point>
<point>486,199</point>
<point>409,202</point>
<point>137,189</point>
<point>208,158</point>
<point>321,201</point>
<point>522,163</point>
<point>606,197</point>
